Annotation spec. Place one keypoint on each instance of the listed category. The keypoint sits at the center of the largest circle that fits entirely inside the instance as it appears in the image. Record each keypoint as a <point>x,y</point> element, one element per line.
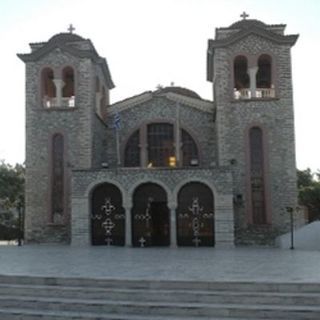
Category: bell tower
<point>67,90</point>
<point>249,64</point>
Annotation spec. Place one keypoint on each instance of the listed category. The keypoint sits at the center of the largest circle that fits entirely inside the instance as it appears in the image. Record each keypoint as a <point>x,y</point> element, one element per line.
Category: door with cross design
<point>150,216</point>
<point>107,216</point>
<point>195,215</point>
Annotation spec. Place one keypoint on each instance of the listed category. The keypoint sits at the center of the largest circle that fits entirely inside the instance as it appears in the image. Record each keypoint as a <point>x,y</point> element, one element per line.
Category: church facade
<point>165,167</point>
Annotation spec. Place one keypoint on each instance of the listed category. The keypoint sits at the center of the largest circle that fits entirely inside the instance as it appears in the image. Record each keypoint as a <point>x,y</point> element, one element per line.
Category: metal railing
<point>66,102</point>
<point>260,93</point>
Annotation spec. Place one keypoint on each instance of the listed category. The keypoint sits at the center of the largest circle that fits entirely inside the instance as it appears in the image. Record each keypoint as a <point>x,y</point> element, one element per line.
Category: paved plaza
<point>203,264</point>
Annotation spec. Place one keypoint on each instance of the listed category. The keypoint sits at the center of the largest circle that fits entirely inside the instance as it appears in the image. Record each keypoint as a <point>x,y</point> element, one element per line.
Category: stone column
<point>173,225</point>
<point>253,85</point>
<point>59,85</point>
<point>128,226</point>
<point>224,222</point>
<point>80,222</point>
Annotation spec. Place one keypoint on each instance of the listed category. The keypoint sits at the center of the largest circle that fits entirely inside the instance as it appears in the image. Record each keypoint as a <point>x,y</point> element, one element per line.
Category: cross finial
<point>71,28</point>
<point>244,15</point>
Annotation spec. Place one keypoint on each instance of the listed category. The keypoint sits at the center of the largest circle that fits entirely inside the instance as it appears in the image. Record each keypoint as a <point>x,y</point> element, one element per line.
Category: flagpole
<point>117,127</point>
<point>177,142</point>
<point>118,148</point>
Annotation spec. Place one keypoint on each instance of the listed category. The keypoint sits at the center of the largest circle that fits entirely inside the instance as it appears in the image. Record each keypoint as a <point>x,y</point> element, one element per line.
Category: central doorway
<point>150,216</point>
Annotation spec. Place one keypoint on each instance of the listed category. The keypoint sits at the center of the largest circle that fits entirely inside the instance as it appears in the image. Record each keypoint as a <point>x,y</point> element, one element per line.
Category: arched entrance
<point>107,216</point>
<point>195,217</point>
<point>150,216</point>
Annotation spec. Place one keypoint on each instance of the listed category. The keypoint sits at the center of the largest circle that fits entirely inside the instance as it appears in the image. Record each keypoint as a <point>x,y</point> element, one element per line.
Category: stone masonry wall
<point>160,109</point>
<point>41,124</point>
<point>275,117</point>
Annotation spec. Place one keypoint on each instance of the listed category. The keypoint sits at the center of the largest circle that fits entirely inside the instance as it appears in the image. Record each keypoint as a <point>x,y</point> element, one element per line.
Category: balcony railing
<point>66,102</point>
<point>260,93</point>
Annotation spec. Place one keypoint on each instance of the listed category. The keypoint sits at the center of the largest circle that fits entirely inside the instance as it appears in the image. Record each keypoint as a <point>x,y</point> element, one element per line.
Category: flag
<point>117,121</point>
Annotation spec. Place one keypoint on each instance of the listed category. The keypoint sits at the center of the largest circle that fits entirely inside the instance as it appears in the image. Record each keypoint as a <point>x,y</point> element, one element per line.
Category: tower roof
<point>239,30</point>
<point>65,37</point>
<point>247,23</point>
<point>69,42</point>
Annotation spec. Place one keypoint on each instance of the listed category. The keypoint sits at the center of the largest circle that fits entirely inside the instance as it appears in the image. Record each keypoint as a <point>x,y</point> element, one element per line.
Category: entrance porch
<point>157,207</point>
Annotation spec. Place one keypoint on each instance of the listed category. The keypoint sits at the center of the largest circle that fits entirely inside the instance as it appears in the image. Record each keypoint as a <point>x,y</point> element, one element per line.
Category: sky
<point>152,42</point>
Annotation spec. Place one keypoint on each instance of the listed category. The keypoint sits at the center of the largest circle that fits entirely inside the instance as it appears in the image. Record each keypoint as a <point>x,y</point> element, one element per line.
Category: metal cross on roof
<point>71,28</point>
<point>244,15</point>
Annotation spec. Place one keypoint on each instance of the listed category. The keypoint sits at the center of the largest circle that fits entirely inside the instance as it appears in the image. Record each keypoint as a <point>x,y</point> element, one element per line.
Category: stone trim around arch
<point>149,180</point>
<point>223,212</point>
<point>80,215</point>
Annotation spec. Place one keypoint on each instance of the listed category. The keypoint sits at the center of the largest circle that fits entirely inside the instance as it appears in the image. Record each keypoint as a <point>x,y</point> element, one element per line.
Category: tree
<point>309,192</point>
<point>12,180</point>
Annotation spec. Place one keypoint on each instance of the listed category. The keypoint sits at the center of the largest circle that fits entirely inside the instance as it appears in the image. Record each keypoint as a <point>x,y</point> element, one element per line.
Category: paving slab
<point>182,264</point>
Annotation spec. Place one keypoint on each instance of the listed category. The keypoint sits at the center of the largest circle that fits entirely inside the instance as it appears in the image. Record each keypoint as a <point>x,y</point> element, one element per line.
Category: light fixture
<point>104,165</point>
<point>172,162</point>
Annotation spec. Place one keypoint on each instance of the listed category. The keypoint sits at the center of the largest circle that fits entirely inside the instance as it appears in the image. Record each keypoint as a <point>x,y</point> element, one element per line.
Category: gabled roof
<point>66,43</point>
<point>244,32</point>
<point>242,29</point>
<point>176,94</point>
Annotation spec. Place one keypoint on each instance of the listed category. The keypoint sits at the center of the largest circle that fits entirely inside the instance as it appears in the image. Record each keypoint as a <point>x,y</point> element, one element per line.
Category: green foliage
<point>12,181</point>
<point>305,178</point>
<point>12,185</point>
<point>309,192</point>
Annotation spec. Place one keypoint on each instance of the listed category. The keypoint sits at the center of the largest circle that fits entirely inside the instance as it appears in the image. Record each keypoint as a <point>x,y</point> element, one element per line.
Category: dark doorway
<point>150,216</point>
<point>107,216</point>
<point>195,217</point>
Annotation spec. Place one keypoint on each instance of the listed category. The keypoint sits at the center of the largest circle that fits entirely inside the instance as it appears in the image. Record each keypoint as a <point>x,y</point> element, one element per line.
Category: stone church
<point>164,167</point>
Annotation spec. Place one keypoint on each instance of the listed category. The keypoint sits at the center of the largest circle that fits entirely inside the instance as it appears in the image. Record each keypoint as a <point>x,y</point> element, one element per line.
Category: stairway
<point>31,298</point>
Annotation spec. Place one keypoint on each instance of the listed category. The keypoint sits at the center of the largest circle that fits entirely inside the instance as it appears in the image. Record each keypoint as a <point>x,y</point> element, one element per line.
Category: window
<point>48,88</point>
<point>160,144</point>
<point>132,151</point>
<point>241,77</point>
<point>57,188</point>
<point>157,147</point>
<point>263,76</point>
<point>257,176</point>
<point>97,84</point>
<point>68,88</point>
<point>254,82</point>
<point>189,150</point>
<point>103,101</point>
<point>58,90</point>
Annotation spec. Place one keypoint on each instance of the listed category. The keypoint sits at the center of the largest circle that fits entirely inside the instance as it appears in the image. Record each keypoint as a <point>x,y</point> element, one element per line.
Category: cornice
<point>278,38</point>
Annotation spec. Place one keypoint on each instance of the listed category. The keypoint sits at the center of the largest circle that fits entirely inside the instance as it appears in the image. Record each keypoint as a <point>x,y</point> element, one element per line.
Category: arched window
<point>48,88</point>
<point>57,178</point>
<point>257,185</point>
<point>263,77</point>
<point>160,144</point>
<point>132,151</point>
<point>68,88</point>
<point>189,150</point>
<point>240,71</point>
<point>97,84</point>
<point>157,147</point>
<point>103,102</point>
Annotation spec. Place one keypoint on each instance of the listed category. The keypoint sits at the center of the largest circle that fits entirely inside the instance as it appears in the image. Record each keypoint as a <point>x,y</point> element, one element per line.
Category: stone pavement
<point>204,264</point>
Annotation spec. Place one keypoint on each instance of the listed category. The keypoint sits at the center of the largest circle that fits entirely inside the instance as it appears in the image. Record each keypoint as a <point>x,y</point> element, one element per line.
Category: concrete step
<point>102,307</point>
<point>25,314</point>
<point>173,295</point>
<point>159,284</point>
